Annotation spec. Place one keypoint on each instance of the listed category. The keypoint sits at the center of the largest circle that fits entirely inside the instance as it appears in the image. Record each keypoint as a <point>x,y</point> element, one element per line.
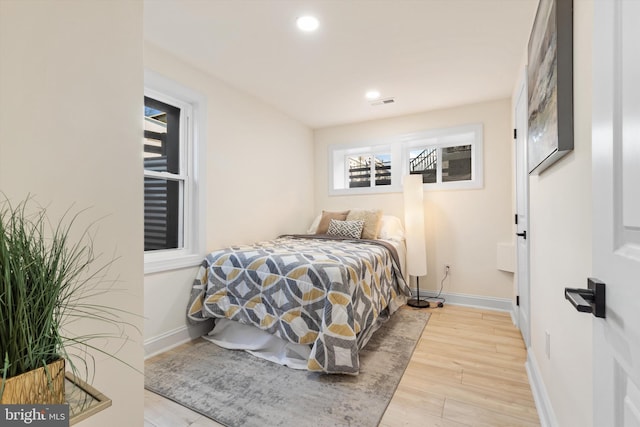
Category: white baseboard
<point>487,303</point>
<point>540,395</point>
<point>174,338</point>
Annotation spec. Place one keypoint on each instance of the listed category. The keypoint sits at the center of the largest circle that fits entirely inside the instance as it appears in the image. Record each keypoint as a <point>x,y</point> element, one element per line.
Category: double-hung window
<point>164,174</point>
<point>173,204</point>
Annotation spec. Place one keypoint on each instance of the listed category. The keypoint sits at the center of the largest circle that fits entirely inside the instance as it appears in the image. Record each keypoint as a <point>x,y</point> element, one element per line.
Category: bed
<point>320,295</point>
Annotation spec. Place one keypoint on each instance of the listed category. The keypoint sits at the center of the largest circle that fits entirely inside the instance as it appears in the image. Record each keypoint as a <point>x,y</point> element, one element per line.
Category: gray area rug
<point>236,389</point>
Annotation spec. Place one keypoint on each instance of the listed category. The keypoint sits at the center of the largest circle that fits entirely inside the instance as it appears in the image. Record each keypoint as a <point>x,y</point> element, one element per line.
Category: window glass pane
<point>161,136</point>
<point>424,162</point>
<point>456,163</point>
<point>383,169</point>
<point>359,171</point>
<point>161,214</point>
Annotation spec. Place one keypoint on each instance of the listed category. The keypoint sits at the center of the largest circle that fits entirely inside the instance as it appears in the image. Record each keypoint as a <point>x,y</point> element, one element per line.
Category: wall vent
<point>383,101</point>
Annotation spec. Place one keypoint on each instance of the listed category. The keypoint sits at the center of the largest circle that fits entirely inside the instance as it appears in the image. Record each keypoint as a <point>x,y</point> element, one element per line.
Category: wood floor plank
<point>495,399</point>
<point>423,368</point>
<point>497,382</point>
<point>396,418</point>
<point>467,370</point>
<point>479,330</point>
<point>515,373</point>
<point>461,349</point>
<point>482,417</point>
<point>496,315</point>
<point>427,403</point>
<point>485,337</point>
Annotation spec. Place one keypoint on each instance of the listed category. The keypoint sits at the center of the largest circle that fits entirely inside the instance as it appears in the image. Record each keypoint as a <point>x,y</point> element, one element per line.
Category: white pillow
<point>314,225</point>
<point>391,228</point>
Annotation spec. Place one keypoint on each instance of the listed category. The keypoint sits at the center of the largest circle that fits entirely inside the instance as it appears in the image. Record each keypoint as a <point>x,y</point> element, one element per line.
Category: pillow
<point>371,220</point>
<point>323,226</point>
<point>351,229</point>
<point>391,228</point>
<point>314,225</point>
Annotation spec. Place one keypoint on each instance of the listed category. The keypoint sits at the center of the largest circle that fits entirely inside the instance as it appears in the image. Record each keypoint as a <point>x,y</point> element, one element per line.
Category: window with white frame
<point>173,193</point>
<point>363,169</point>
<point>448,158</point>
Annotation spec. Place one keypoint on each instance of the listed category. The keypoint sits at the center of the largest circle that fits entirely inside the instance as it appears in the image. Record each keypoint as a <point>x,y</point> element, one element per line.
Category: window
<point>164,178</point>
<point>446,158</point>
<point>173,192</point>
<point>425,162</point>
<point>362,169</point>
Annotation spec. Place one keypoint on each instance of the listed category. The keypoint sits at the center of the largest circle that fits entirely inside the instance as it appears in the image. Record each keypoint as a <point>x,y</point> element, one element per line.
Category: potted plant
<point>47,280</point>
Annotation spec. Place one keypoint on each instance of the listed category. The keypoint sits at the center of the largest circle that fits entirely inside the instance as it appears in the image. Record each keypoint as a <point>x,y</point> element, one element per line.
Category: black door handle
<point>590,300</point>
<point>523,234</point>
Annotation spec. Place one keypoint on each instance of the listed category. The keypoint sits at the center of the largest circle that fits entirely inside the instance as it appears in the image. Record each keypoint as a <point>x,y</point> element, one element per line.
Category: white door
<point>522,213</point>
<point>616,211</point>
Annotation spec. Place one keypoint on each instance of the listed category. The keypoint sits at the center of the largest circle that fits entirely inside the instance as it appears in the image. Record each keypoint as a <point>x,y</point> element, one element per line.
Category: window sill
<point>160,262</point>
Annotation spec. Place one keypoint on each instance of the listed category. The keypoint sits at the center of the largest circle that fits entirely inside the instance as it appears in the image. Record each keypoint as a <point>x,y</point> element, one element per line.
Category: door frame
<point>522,280</point>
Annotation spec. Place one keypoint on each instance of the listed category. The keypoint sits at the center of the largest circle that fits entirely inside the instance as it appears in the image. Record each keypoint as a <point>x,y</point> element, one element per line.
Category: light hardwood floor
<point>467,370</point>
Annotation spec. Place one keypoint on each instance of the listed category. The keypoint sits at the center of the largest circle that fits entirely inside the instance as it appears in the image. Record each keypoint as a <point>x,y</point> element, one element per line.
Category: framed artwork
<point>550,84</point>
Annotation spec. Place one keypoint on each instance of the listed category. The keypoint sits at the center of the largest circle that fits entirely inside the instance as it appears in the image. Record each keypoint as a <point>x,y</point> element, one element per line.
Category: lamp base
<point>418,303</point>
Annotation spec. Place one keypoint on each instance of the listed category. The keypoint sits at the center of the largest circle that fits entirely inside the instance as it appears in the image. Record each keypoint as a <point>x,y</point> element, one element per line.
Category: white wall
<point>463,227</point>
<point>561,241</point>
<point>70,102</point>
<point>259,182</point>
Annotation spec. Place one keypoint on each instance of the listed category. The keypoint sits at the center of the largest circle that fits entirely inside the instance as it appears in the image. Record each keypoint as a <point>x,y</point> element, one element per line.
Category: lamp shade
<point>414,225</point>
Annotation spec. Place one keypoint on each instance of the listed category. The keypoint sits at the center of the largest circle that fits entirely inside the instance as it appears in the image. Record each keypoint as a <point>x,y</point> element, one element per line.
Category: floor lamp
<point>414,233</point>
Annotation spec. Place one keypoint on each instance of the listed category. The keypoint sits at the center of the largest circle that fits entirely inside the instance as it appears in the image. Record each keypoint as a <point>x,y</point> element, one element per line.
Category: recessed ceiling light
<point>372,94</point>
<point>308,23</point>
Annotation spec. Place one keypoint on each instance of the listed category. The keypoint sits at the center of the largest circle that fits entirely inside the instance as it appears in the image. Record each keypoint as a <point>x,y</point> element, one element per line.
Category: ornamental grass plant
<point>48,280</point>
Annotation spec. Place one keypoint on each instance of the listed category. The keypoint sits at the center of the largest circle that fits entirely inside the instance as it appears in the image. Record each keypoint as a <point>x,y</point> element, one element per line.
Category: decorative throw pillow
<point>372,221</point>
<point>351,229</point>
<point>323,226</point>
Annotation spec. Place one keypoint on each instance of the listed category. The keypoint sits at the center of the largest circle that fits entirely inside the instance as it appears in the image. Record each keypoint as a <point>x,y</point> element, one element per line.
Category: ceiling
<point>426,54</point>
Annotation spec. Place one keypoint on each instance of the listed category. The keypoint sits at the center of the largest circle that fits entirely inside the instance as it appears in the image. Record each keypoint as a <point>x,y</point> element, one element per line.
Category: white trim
<point>173,338</point>
<point>539,391</point>
<point>476,301</point>
<point>194,161</point>
<point>515,310</point>
<point>172,259</point>
<point>522,278</point>
<point>165,175</point>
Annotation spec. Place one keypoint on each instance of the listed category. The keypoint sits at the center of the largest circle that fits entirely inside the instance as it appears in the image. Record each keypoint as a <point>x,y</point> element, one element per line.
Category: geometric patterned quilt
<point>328,294</point>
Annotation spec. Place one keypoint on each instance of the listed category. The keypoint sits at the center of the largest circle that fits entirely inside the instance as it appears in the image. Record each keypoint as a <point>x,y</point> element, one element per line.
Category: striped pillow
<point>351,229</point>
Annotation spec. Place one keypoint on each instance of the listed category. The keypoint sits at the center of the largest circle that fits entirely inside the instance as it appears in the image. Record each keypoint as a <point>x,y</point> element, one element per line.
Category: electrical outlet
<point>547,344</point>
<point>447,268</point>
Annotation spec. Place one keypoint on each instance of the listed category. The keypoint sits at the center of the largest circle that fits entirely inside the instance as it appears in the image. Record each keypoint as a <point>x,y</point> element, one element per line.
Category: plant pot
<point>36,386</point>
